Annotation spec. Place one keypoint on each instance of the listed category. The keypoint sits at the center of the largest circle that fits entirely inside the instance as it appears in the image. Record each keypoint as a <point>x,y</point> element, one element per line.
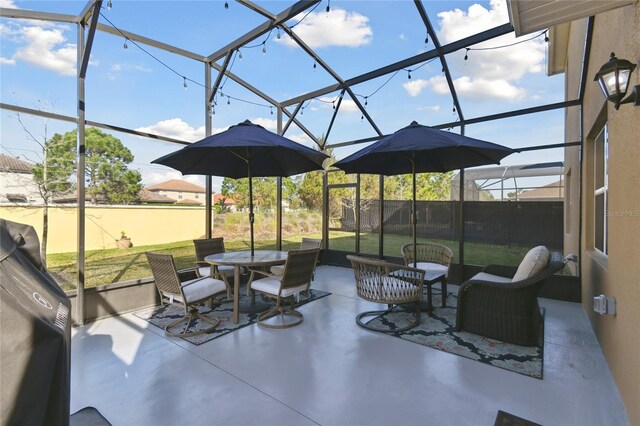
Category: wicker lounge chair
<point>296,278</point>
<point>189,293</point>
<point>430,257</point>
<point>492,305</point>
<point>389,283</point>
<point>204,247</point>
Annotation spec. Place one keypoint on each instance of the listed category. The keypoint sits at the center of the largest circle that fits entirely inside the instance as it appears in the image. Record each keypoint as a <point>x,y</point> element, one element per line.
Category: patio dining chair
<point>305,244</point>
<point>296,278</point>
<point>205,247</point>
<point>189,293</point>
<point>430,257</point>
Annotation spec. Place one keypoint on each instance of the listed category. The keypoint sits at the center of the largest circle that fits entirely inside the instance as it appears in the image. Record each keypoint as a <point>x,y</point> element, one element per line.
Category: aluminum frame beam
<point>422,57</point>
<point>264,28</point>
<point>39,16</point>
<point>86,54</point>
<point>436,42</point>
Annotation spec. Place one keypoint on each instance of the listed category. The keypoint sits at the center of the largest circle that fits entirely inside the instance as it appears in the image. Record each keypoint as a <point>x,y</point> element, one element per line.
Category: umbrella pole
<point>414,216</point>
<point>250,206</point>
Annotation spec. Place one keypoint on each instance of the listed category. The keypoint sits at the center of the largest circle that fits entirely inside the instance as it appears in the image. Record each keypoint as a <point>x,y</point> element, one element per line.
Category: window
<point>179,195</point>
<point>197,196</point>
<point>601,181</point>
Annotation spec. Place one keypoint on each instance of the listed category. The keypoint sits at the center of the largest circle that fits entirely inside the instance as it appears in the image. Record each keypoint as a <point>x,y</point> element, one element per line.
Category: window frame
<point>602,137</point>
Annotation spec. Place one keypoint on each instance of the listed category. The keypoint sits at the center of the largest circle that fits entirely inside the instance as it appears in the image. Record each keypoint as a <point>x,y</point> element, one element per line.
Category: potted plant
<point>124,242</point>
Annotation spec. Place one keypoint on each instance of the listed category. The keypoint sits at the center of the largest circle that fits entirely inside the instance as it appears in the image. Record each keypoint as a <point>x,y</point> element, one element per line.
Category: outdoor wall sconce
<point>613,78</point>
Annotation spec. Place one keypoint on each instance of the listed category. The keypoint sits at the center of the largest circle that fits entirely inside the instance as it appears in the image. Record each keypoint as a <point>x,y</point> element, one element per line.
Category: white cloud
<point>7,61</point>
<point>479,88</point>
<point>271,125</point>
<point>347,105</point>
<point>415,87</point>
<point>336,28</point>
<point>402,37</point>
<point>155,177</point>
<point>9,4</point>
<point>47,48</point>
<point>115,70</point>
<point>177,129</point>
<point>432,108</point>
<point>494,72</point>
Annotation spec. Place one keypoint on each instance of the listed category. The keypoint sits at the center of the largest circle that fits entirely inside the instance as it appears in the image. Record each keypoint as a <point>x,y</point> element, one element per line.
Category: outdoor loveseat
<point>491,304</point>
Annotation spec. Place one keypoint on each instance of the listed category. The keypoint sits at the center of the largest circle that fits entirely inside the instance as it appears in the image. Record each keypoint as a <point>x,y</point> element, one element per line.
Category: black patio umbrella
<point>245,150</point>
<point>420,149</point>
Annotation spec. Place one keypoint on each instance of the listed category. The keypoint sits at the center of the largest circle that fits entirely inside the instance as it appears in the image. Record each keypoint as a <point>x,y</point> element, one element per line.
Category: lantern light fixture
<point>614,77</point>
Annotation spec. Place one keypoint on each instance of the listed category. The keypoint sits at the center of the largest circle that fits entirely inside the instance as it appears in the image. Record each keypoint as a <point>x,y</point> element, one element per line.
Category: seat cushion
<point>532,263</point>
<point>204,271</point>
<point>277,269</point>
<point>483,276</point>
<point>432,267</point>
<point>272,286</point>
<point>201,288</point>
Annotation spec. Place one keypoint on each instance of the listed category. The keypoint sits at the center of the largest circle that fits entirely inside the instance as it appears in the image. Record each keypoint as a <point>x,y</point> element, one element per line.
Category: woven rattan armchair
<point>204,247</point>
<point>189,293</point>
<point>430,257</point>
<point>389,283</point>
<point>491,305</point>
<point>307,243</point>
<point>295,279</point>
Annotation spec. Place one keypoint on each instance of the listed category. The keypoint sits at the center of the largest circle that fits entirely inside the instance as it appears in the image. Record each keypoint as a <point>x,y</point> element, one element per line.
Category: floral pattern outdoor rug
<point>438,332</point>
<point>160,316</point>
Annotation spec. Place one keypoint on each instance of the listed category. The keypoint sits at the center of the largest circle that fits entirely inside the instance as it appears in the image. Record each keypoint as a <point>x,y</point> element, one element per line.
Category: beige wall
<point>617,274</point>
<point>143,224</point>
<point>175,195</point>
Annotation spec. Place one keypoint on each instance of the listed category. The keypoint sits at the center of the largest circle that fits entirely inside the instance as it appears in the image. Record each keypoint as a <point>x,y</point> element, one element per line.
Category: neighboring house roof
<point>554,190</point>
<point>151,197</point>
<point>16,198</point>
<point>176,185</point>
<point>14,165</point>
<point>189,202</point>
<point>227,200</point>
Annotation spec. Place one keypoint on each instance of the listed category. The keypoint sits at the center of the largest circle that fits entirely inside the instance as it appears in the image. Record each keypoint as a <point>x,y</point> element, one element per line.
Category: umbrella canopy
<point>420,149</point>
<point>245,150</point>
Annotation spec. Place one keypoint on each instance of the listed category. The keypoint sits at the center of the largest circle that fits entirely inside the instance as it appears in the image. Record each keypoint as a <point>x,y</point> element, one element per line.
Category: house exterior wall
<point>616,274</point>
<point>19,183</point>
<point>182,195</point>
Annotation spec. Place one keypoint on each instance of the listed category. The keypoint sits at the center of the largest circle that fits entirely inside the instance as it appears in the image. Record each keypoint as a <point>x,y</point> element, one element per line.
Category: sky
<point>143,88</point>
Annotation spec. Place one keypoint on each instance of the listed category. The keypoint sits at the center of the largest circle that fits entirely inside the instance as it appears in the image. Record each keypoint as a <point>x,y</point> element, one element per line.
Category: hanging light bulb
<point>426,40</point>
<point>271,108</point>
<point>314,65</point>
<point>362,118</point>
<point>184,82</point>
<point>264,47</point>
<point>466,55</point>
<point>226,5</point>
<point>366,100</point>
<point>328,6</point>
<point>409,74</point>
<point>125,45</point>
<point>302,111</point>
<point>109,5</point>
<point>239,54</point>
<point>228,100</point>
<point>546,37</point>
<point>454,109</point>
<point>334,104</point>
<point>278,34</point>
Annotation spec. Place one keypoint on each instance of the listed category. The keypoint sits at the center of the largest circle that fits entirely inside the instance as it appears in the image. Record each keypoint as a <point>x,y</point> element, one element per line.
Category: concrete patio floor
<point>329,371</point>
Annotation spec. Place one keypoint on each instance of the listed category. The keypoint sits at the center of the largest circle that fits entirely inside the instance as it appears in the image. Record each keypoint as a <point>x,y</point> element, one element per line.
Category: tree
<point>108,178</point>
<point>264,191</point>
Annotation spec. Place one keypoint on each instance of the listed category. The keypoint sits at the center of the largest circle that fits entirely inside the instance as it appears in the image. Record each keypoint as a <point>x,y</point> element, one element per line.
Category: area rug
<point>160,316</point>
<point>507,419</point>
<point>438,332</point>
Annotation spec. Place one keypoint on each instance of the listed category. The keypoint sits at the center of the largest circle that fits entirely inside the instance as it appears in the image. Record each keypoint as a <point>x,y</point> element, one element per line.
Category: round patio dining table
<point>237,259</point>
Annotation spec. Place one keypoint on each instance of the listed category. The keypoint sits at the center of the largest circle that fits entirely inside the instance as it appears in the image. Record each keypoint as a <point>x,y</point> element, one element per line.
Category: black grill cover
<point>35,324</point>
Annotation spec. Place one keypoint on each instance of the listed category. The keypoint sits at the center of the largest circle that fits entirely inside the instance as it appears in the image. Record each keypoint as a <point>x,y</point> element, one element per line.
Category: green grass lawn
<point>115,265</point>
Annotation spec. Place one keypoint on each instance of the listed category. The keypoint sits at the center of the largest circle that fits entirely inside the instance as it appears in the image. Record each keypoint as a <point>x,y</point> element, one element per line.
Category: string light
<point>228,100</point>
<point>278,34</point>
<point>328,6</point>
<point>409,74</point>
<point>125,45</point>
<point>366,100</point>
<point>109,5</point>
<point>226,5</point>
<point>314,65</point>
<point>302,110</point>
<point>239,54</point>
<point>271,108</point>
<point>264,47</point>
<point>426,40</point>
<point>184,82</point>
<point>546,39</point>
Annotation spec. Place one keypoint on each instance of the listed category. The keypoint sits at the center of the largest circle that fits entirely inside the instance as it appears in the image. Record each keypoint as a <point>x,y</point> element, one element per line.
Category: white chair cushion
<point>277,269</point>
<point>483,276</point>
<point>432,267</point>
<point>272,286</point>
<point>201,288</point>
<point>204,271</point>
<point>532,263</point>
<point>227,270</point>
